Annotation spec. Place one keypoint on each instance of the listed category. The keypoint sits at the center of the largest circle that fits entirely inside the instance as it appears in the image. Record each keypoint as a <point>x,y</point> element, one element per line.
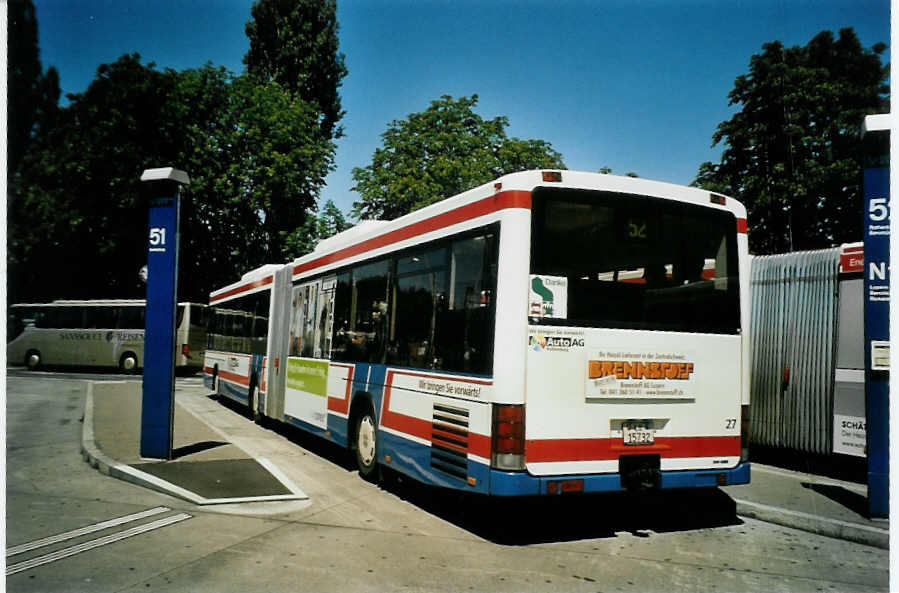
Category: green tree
<point>319,225</point>
<point>440,152</point>
<point>251,150</point>
<point>294,43</point>
<point>33,93</point>
<point>793,152</point>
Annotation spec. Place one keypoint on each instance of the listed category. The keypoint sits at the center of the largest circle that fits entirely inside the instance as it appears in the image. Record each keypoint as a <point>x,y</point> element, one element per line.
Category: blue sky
<point>633,85</point>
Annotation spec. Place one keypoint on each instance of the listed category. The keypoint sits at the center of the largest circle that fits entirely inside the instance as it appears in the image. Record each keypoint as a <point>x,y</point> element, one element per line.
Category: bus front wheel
<point>128,363</point>
<point>33,360</point>
<point>367,445</point>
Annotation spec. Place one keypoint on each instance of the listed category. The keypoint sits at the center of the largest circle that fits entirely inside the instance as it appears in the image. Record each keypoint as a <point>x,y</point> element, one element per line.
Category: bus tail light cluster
<point>507,452</point>
<point>185,350</point>
<point>744,433</point>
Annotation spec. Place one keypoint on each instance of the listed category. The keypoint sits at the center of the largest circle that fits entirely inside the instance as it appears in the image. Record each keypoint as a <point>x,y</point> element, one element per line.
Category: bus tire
<point>215,380</point>
<point>33,360</point>
<point>365,440</point>
<point>252,404</point>
<point>128,363</point>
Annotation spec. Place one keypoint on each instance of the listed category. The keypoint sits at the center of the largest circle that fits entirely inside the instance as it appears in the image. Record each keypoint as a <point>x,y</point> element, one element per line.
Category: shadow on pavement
<point>855,502</point>
<point>310,442</point>
<point>532,520</point>
<point>196,448</point>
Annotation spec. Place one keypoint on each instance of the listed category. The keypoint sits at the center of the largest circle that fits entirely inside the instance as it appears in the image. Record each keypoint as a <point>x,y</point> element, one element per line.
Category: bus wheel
<point>252,404</point>
<point>367,445</point>
<point>128,363</point>
<point>33,360</point>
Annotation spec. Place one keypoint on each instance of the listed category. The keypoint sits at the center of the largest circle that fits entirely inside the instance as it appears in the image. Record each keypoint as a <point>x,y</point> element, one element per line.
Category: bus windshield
<point>602,259</point>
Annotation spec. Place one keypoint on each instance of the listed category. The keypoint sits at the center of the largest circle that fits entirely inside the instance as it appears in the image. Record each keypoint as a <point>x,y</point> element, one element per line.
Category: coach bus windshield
<point>602,259</point>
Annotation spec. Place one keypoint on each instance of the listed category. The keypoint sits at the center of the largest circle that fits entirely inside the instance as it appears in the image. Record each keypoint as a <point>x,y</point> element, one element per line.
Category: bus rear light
<point>552,176</point>
<point>507,451</point>
<point>744,433</point>
<point>718,199</point>
<point>185,350</point>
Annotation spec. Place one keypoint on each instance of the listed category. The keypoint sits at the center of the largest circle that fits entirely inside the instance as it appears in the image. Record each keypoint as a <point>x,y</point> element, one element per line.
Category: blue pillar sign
<point>158,399</point>
<point>877,310</point>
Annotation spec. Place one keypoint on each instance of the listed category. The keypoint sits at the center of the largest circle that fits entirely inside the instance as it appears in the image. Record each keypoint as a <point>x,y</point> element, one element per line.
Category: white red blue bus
<point>101,333</point>
<point>549,332</point>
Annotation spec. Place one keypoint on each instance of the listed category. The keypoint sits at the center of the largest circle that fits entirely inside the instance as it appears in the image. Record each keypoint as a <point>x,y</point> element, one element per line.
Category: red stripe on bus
<point>742,226</point>
<point>240,289</point>
<point>417,427</point>
<point>500,201</point>
<point>479,444</point>
<point>336,404</point>
<point>245,381</point>
<point>603,449</point>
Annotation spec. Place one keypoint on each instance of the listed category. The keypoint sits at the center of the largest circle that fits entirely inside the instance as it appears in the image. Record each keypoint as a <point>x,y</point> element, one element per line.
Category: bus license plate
<point>637,434</point>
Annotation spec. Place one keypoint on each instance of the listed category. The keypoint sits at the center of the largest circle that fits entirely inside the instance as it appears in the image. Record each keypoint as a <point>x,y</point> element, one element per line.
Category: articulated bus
<point>545,333</point>
<point>102,333</point>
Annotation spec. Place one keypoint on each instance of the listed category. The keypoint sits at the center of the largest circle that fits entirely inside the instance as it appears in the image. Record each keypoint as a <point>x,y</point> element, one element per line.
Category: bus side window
<point>422,285</point>
<point>340,340</point>
<point>465,338</point>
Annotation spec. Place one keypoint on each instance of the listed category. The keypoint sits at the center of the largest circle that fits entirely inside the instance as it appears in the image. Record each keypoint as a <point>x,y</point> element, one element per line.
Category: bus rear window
<point>601,259</point>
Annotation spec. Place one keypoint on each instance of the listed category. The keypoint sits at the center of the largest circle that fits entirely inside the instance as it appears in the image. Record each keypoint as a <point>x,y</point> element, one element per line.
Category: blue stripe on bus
<point>369,378</point>
<point>523,484</point>
<point>235,392</point>
<point>316,430</point>
<point>414,460</point>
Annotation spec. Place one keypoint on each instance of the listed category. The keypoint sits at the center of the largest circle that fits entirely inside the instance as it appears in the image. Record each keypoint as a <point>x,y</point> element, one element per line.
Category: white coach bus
<point>100,333</point>
<point>545,333</point>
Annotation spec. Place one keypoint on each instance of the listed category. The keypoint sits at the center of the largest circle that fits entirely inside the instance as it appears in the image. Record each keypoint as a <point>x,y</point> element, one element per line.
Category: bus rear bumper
<point>523,484</point>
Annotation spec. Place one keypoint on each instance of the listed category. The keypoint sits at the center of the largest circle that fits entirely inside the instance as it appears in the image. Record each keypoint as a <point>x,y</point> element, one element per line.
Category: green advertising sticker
<point>310,376</point>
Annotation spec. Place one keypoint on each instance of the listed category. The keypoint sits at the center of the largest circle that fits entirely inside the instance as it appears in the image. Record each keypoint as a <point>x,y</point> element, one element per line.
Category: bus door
<point>275,371</point>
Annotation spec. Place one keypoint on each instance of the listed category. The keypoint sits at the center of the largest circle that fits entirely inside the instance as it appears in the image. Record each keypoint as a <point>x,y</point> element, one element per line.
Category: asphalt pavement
<point>207,468</point>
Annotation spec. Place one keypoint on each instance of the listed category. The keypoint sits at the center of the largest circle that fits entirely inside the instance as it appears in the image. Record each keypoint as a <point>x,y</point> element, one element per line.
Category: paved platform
<point>208,468</point>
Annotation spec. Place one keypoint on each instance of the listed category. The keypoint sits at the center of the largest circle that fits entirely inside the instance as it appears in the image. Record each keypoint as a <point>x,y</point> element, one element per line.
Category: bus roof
<point>509,191</point>
<point>95,303</point>
<point>252,281</point>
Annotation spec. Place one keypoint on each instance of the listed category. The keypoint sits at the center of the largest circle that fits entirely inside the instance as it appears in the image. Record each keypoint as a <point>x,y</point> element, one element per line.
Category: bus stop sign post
<point>158,399</point>
<point>876,230</point>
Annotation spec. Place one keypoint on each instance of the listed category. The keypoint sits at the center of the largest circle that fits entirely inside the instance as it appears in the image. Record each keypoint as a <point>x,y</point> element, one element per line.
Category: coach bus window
<point>100,317</point>
<point>421,288</point>
<point>634,262</point>
<point>131,318</point>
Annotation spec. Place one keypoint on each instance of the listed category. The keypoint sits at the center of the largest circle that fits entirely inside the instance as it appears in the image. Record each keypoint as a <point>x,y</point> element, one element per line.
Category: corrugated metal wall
<point>794,321</point>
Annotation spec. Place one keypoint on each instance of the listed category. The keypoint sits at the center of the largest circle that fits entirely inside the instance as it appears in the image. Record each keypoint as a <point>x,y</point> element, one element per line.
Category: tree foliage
<point>256,146</point>
<point>33,93</point>
<point>319,225</point>
<point>294,43</point>
<point>440,152</point>
<point>793,152</point>
<point>252,152</point>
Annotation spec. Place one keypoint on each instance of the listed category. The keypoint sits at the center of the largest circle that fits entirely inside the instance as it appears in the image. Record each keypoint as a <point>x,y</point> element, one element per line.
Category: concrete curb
<point>91,453</point>
<point>854,532</point>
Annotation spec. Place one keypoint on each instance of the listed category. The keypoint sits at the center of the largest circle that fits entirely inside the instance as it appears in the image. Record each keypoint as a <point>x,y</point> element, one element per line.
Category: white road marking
<point>61,537</point>
<point>95,543</point>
